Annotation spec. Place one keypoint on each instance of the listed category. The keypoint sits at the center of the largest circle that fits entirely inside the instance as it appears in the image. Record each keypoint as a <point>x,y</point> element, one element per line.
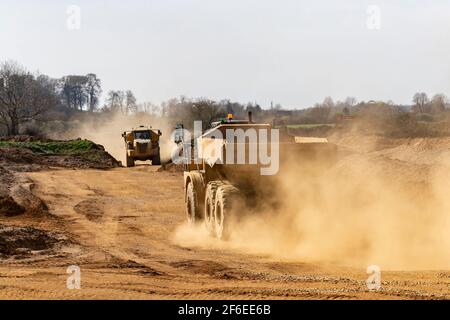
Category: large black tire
<point>226,203</point>
<point>130,161</point>
<point>192,205</point>
<point>156,161</point>
<point>210,198</point>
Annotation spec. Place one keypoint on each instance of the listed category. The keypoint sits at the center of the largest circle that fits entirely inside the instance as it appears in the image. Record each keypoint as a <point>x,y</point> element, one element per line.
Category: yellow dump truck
<point>142,144</point>
<point>218,191</point>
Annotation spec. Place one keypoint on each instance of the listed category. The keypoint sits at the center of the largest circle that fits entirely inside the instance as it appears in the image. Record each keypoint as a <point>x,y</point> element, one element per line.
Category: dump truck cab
<point>142,144</point>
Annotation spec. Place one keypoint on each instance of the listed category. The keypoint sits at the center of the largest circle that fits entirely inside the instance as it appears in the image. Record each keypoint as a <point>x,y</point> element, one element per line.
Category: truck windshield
<point>144,135</point>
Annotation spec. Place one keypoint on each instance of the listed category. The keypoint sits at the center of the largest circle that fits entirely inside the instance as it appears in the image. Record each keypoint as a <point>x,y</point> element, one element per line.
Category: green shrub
<point>53,147</point>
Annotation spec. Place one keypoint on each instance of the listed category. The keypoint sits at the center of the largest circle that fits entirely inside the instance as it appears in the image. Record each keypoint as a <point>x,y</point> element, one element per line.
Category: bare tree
<point>23,97</point>
<point>93,91</point>
<point>350,102</point>
<point>421,102</point>
<point>80,92</point>
<point>320,113</point>
<point>328,103</point>
<point>130,102</point>
<point>439,102</point>
<point>124,102</point>
<point>207,111</point>
<point>115,101</point>
<point>148,107</point>
<point>73,91</point>
<point>145,107</point>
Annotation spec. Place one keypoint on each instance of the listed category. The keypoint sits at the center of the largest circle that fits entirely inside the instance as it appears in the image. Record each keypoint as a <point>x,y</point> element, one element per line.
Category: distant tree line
<point>330,111</point>
<point>423,104</point>
<point>23,96</point>
<point>26,97</point>
<point>30,98</point>
<point>202,109</point>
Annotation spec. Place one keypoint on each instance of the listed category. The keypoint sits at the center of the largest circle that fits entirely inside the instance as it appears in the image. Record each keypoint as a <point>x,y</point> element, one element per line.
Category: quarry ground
<point>119,226</point>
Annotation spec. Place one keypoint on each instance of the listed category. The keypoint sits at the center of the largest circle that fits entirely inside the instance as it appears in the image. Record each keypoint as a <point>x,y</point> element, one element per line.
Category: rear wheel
<point>156,161</point>
<point>226,202</point>
<point>192,206</point>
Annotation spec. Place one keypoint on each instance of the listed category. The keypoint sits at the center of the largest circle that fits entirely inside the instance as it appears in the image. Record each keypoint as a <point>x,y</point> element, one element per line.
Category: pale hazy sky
<point>293,52</point>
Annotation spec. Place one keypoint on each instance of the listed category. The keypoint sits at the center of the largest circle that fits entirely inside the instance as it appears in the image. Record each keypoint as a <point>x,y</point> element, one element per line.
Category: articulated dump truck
<point>227,175</point>
<point>142,144</point>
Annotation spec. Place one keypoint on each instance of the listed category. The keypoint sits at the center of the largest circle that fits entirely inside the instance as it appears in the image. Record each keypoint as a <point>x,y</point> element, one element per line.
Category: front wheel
<point>191,204</point>
<point>130,161</point>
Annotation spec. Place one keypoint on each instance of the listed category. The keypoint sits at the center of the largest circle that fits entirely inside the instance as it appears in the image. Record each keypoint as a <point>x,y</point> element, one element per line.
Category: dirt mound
<point>23,242</point>
<point>417,151</point>
<point>16,195</point>
<point>22,194</point>
<point>429,151</point>
<point>26,154</point>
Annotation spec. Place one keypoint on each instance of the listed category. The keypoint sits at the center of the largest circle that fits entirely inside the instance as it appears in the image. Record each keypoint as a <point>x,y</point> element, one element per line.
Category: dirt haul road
<point>122,227</point>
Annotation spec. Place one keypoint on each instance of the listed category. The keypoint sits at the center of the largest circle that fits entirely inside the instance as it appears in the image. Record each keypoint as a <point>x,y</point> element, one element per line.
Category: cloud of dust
<point>107,131</point>
<point>363,211</point>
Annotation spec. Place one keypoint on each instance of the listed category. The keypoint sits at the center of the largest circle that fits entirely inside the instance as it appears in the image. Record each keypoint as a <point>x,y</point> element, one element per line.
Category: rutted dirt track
<point>118,227</point>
